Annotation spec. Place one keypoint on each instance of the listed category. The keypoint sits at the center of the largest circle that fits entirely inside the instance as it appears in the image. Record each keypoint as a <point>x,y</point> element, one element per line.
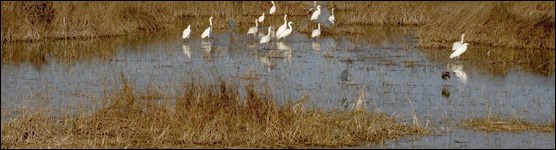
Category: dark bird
<point>445,75</point>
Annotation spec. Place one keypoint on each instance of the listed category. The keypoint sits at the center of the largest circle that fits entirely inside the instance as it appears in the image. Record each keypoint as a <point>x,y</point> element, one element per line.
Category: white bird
<point>459,50</point>
<point>186,32</point>
<point>265,39</point>
<point>286,32</point>
<point>253,30</point>
<point>316,13</point>
<point>458,44</point>
<point>261,18</point>
<point>316,32</point>
<point>283,27</point>
<point>273,8</point>
<point>206,33</point>
<point>332,18</point>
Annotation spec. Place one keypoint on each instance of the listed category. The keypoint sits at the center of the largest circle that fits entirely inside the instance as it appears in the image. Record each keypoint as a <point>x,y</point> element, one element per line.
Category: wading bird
<point>459,50</point>
<point>316,32</point>
<point>265,39</point>
<point>316,13</point>
<point>283,27</point>
<point>261,18</point>
<point>332,18</point>
<point>456,45</point>
<point>273,8</point>
<point>253,30</point>
<point>206,33</point>
<point>186,32</point>
<point>286,32</point>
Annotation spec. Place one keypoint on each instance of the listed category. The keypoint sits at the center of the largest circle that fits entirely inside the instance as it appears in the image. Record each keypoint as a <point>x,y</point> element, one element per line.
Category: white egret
<point>316,32</point>
<point>253,30</point>
<point>273,8</point>
<point>459,50</point>
<point>286,32</point>
<point>332,18</point>
<point>265,39</point>
<point>206,33</point>
<point>316,13</point>
<point>261,18</point>
<point>457,44</point>
<point>283,27</point>
<point>186,32</point>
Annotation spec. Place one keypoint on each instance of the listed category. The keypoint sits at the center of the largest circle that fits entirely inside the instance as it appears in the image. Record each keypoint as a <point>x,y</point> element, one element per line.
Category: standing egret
<point>286,32</point>
<point>186,32</point>
<point>316,13</point>
<point>206,33</point>
<point>265,39</point>
<point>283,27</point>
<point>253,30</point>
<point>332,18</point>
<point>316,32</point>
<point>458,44</point>
<point>459,50</point>
<point>261,18</point>
<point>273,8</point>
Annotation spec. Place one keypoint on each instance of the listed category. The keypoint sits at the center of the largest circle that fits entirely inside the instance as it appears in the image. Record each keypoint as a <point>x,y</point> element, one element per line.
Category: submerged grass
<point>507,24</point>
<point>204,116</point>
<point>496,124</point>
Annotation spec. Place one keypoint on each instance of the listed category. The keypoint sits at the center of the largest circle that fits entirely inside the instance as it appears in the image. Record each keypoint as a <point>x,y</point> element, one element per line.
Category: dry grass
<point>205,116</point>
<point>497,124</point>
<point>506,24</point>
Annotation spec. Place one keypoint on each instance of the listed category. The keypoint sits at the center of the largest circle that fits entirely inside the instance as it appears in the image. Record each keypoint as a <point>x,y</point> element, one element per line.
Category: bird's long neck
<point>319,26</point>
<point>256,24</point>
<point>332,11</point>
<point>462,38</point>
<point>290,25</point>
<point>285,20</point>
<point>269,30</point>
<point>272,3</point>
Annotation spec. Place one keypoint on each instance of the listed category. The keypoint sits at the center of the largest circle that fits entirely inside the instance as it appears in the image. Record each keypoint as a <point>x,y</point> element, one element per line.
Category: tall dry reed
<point>205,115</point>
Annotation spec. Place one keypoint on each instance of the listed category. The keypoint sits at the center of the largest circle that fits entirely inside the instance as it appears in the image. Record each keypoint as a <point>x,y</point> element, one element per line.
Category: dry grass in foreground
<point>205,116</point>
<point>505,125</point>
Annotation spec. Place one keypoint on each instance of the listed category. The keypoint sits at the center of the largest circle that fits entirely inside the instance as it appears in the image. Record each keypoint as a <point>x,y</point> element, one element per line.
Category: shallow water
<point>397,77</point>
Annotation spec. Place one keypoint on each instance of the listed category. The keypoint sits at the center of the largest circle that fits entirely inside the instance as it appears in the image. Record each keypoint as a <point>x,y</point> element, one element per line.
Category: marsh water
<point>398,78</point>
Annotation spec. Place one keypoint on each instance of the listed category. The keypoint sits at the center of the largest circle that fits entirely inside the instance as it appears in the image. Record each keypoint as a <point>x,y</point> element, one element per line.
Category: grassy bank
<point>507,24</point>
<point>204,116</point>
<point>496,124</point>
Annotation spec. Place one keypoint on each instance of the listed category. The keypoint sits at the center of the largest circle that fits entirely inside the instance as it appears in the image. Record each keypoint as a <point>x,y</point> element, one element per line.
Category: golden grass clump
<point>505,125</point>
<point>207,116</point>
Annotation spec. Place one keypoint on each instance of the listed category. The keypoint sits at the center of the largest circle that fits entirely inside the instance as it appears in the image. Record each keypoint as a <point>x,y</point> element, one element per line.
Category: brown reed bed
<point>506,24</point>
<point>497,124</point>
<point>204,116</point>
